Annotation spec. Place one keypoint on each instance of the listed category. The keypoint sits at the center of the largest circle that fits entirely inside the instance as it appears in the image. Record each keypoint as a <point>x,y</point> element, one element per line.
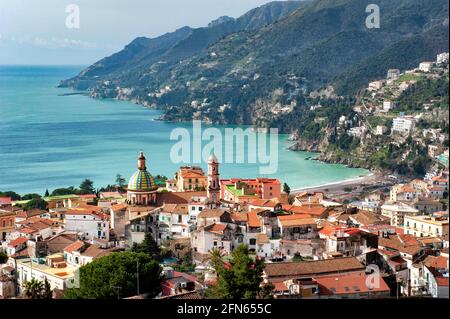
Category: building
<point>59,275</point>
<point>426,226</point>
<point>397,212</point>
<point>380,130</point>
<point>174,221</point>
<point>190,178</point>
<point>404,192</point>
<point>213,184</point>
<point>141,187</point>
<point>357,131</point>
<point>353,285</point>
<point>89,224</point>
<point>426,66</point>
<point>442,58</point>
<point>243,191</point>
<point>7,224</point>
<point>393,74</point>
<point>388,106</point>
<point>403,124</point>
<point>348,241</point>
<point>375,85</point>
<point>280,272</point>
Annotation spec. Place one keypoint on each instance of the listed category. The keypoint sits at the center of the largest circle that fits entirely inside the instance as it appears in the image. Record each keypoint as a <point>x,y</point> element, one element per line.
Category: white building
<point>426,66</point>
<point>380,130</point>
<point>375,85</point>
<point>357,131</point>
<point>59,275</point>
<point>397,212</point>
<point>196,205</point>
<point>89,223</point>
<point>442,58</point>
<point>393,74</point>
<point>426,226</point>
<point>388,105</point>
<point>403,124</point>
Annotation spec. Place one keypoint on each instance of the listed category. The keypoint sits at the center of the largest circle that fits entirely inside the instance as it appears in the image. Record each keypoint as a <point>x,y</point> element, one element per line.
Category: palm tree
<point>33,289</point>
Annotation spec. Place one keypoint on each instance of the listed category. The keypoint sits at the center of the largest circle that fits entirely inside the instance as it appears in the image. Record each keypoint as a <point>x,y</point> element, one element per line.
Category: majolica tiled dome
<point>142,181</point>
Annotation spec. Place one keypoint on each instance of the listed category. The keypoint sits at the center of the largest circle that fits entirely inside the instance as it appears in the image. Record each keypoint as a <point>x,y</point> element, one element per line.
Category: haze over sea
<point>49,141</point>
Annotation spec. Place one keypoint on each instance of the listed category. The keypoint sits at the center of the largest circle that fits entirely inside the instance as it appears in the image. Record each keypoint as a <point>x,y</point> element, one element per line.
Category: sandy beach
<point>372,178</point>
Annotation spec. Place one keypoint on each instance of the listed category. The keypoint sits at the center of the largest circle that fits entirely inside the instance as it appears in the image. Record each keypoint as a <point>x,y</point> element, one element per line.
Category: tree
<point>242,280</point>
<point>47,194</point>
<point>286,188</point>
<point>120,181</point>
<point>36,289</point>
<point>87,187</point>
<point>64,191</point>
<point>47,292</point>
<point>30,196</point>
<point>36,203</point>
<point>149,247</point>
<point>3,257</point>
<point>106,276</point>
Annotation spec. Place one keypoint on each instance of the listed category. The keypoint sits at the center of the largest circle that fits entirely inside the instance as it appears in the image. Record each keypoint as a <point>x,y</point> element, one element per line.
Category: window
<point>180,218</point>
<point>215,243</point>
<point>252,241</point>
<point>4,223</point>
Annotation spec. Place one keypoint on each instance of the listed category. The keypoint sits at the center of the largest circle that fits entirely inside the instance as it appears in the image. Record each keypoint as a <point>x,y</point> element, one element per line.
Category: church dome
<point>142,181</point>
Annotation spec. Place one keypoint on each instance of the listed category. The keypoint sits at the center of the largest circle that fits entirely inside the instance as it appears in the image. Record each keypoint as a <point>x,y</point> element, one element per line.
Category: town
<point>311,245</point>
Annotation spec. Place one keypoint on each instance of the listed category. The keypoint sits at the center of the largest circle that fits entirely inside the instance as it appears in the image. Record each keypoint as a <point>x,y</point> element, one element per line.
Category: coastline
<point>371,178</point>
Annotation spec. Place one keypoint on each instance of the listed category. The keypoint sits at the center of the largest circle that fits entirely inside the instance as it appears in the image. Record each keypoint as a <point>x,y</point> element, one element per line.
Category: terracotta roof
<point>17,242</point>
<point>216,228</point>
<point>177,197</point>
<point>280,286</point>
<point>263,203</point>
<point>442,281</point>
<point>239,217</point>
<point>294,222</point>
<point>291,269</point>
<point>181,209</point>
<point>313,210</point>
<point>367,218</point>
<point>120,206</point>
<point>408,245</point>
<point>74,246</point>
<point>262,239</point>
<point>211,213</point>
<point>439,262</point>
<point>5,201</point>
<point>27,230</point>
<point>254,220</point>
<point>95,251</point>
<point>349,283</point>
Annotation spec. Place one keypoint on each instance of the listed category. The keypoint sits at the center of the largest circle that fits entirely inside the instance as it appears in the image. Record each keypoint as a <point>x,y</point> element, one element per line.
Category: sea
<point>51,139</point>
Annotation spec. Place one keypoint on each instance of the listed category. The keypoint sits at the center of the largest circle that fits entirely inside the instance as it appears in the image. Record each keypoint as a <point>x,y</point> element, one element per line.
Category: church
<point>143,191</point>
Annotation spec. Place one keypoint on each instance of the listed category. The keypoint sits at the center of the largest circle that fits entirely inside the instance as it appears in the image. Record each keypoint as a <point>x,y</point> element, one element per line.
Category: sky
<point>43,33</point>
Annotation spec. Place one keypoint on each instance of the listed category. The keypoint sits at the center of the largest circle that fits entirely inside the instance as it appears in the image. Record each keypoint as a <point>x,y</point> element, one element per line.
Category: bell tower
<point>213,190</point>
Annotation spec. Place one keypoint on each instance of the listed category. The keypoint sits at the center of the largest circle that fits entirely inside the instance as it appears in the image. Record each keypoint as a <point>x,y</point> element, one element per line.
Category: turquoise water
<point>49,141</point>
